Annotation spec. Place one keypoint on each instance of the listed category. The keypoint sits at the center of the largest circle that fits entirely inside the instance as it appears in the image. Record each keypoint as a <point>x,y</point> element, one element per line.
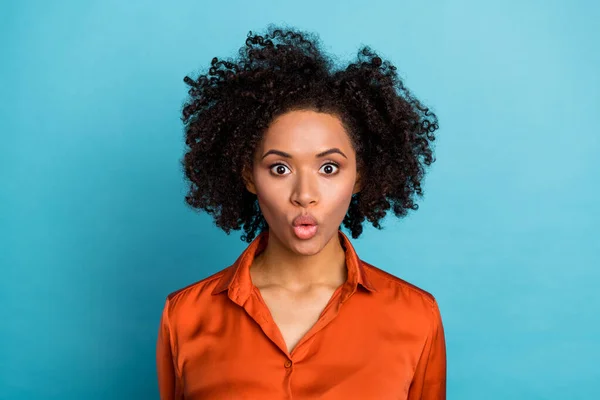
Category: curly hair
<point>229,109</point>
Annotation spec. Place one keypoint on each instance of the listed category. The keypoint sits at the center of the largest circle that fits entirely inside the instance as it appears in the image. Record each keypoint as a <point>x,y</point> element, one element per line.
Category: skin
<point>290,266</point>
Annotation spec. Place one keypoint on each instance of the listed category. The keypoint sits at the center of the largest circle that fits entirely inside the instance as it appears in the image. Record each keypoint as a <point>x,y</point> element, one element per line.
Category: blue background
<point>95,233</point>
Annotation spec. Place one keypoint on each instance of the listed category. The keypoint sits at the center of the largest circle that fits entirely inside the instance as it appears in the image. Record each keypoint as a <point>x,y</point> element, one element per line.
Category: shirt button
<point>288,364</point>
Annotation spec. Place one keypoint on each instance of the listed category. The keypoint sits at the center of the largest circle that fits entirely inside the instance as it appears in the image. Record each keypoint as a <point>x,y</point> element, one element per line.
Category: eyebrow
<point>322,154</point>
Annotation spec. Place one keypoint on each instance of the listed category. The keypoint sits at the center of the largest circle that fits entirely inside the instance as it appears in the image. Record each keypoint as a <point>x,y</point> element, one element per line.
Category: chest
<point>296,314</point>
<point>234,356</point>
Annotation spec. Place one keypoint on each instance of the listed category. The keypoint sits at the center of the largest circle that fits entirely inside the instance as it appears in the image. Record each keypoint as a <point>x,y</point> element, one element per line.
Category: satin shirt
<point>379,337</point>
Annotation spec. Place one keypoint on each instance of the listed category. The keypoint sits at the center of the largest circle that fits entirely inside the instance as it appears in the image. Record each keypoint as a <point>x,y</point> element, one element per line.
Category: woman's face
<point>290,178</point>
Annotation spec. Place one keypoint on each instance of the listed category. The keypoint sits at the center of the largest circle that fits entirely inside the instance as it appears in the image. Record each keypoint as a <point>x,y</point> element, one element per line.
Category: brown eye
<point>278,168</point>
<point>328,168</point>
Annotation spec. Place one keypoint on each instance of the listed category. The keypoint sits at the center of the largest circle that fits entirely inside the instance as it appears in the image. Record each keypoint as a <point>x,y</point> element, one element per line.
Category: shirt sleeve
<point>169,385</point>
<point>429,381</point>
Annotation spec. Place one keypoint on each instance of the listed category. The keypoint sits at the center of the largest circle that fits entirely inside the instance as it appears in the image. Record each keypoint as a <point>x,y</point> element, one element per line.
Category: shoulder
<point>385,279</point>
<point>403,305</point>
<point>195,292</point>
<point>401,294</point>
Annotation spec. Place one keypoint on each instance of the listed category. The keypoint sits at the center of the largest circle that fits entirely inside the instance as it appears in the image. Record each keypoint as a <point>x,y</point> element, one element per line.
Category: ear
<point>248,181</point>
<point>357,184</point>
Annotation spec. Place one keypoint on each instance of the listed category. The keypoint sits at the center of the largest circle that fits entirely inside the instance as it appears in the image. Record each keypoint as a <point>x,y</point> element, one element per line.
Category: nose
<point>305,191</point>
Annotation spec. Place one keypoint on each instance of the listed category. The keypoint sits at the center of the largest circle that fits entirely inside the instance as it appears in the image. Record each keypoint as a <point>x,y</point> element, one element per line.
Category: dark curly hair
<point>231,106</point>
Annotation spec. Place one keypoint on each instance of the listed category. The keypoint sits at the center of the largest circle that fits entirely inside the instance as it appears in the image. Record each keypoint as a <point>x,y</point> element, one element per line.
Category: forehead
<point>305,132</point>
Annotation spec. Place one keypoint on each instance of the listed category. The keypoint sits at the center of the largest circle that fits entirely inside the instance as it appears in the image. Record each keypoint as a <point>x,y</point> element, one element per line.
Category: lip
<point>305,232</point>
<point>304,219</point>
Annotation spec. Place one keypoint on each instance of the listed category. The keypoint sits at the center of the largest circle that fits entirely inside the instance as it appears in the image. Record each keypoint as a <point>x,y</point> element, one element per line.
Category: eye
<point>329,168</point>
<point>281,168</point>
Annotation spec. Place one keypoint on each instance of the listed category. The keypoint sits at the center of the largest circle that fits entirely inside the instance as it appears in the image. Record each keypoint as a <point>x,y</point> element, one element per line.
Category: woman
<point>287,147</point>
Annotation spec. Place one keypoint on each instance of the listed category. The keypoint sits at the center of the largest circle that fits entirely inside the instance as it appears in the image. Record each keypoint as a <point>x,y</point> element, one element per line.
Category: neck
<point>278,266</point>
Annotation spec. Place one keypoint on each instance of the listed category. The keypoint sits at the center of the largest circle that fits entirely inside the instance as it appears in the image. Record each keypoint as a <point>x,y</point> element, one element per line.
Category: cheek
<point>270,199</point>
<point>335,200</point>
<point>337,191</point>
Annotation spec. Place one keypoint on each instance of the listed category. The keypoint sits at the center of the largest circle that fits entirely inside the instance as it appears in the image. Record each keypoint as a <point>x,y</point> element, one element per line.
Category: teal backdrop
<point>94,231</point>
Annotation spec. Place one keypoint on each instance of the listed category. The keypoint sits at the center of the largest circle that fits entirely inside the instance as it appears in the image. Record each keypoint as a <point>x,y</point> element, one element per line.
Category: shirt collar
<point>236,279</point>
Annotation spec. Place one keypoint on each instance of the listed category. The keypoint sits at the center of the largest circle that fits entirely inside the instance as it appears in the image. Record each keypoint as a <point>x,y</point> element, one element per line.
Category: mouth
<point>305,231</point>
<point>305,226</point>
<point>304,220</point>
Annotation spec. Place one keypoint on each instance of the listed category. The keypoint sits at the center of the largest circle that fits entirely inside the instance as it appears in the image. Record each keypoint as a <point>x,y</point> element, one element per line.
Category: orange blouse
<point>379,337</point>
